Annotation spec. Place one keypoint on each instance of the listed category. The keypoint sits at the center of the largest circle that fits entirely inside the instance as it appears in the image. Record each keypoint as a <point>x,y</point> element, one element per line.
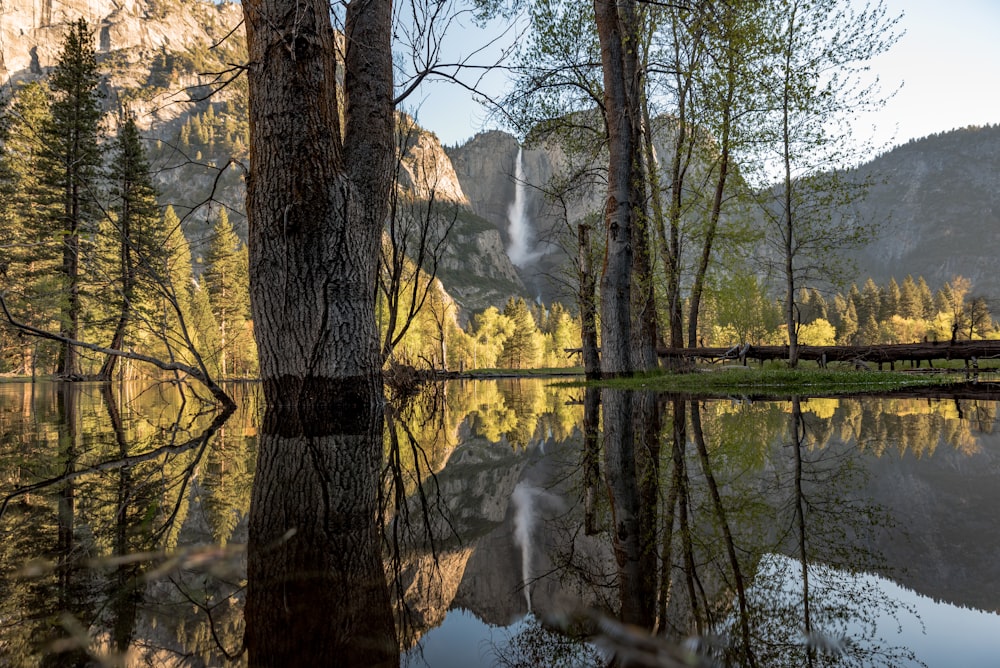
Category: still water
<point>499,523</point>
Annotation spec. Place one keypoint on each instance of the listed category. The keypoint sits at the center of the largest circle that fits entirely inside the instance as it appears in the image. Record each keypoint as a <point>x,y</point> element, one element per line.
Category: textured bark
<point>316,586</point>
<point>588,307</point>
<point>643,303</point>
<point>316,197</point>
<point>616,276</point>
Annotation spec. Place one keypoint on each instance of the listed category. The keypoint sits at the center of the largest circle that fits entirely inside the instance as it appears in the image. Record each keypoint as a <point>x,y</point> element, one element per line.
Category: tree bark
<point>616,275</point>
<point>588,308</point>
<point>317,197</point>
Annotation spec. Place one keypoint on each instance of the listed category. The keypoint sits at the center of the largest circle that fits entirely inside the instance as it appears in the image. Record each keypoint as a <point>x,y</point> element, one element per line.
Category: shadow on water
<point>487,523</point>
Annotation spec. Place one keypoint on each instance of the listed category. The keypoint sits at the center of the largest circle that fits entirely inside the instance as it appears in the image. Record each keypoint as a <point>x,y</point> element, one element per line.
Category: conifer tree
<point>926,298</point>
<point>910,303</point>
<point>227,284</point>
<point>30,250</point>
<point>140,237</point>
<point>71,160</point>
<point>891,297</point>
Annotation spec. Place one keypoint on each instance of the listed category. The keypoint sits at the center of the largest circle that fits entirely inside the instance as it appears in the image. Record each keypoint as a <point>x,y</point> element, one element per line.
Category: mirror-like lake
<point>507,523</point>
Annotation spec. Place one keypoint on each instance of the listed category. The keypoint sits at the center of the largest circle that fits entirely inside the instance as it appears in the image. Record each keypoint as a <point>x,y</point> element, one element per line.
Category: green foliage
<point>227,284</point>
<point>521,348</point>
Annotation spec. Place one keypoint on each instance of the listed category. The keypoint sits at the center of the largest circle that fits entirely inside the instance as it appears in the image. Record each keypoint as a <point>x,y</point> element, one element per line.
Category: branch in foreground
<point>191,371</point>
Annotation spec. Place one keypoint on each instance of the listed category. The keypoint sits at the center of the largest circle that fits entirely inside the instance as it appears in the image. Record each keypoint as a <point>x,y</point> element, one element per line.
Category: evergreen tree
<point>926,298</point>
<point>891,298</point>
<point>226,281</point>
<point>871,302</point>
<point>520,350</point>
<point>71,160</point>
<point>847,320</point>
<point>140,237</point>
<point>819,305</point>
<point>910,301</point>
<point>30,248</point>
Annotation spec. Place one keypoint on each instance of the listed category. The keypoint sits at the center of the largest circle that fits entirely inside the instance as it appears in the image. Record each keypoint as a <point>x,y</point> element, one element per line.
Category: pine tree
<point>926,298</point>
<point>31,248</point>
<point>910,304</point>
<point>71,159</point>
<point>520,350</point>
<point>140,238</point>
<point>891,298</point>
<point>226,281</point>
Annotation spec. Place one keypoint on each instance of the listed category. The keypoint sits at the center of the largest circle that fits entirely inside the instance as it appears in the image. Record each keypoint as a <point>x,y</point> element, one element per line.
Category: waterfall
<point>518,226</point>
<point>523,499</point>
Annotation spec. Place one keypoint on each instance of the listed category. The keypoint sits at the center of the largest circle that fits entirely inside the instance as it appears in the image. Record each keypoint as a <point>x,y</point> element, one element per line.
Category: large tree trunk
<point>616,277</point>
<point>317,197</point>
<point>588,308</point>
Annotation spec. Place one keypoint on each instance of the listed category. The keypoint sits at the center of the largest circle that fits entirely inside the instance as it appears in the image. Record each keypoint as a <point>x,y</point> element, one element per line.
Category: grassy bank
<point>744,380</point>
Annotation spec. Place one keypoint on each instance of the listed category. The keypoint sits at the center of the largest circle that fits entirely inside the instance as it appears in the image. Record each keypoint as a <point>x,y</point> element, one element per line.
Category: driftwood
<point>969,351</point>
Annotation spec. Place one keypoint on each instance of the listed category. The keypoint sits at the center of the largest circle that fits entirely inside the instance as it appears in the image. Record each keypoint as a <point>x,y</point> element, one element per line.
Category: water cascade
<point>518,225</point>
<point>523,498</point>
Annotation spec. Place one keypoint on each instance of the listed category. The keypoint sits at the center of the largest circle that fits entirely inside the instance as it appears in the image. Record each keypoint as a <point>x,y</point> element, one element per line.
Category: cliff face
<point>32,30</point>
<point>938,200</point>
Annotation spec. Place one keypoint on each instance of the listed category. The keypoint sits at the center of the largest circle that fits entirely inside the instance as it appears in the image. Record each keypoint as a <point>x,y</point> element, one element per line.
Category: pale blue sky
<point>948,62</point>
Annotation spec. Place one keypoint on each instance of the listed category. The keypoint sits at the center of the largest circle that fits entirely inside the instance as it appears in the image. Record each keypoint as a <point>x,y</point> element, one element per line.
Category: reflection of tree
<point>105,493</point>
<point>317,590</point>
<point>821,612</point>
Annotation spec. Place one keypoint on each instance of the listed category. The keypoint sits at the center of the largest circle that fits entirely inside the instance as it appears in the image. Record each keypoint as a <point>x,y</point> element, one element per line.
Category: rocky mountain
<point>171,62</point>
<point>939,198</point>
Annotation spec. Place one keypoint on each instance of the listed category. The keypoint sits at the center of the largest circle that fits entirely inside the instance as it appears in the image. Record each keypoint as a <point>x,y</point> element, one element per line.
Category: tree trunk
<point>720,189</point>
<point>127,282</point>
<point>588,308</point>
<point>616,275</point>
<point>317,197</point>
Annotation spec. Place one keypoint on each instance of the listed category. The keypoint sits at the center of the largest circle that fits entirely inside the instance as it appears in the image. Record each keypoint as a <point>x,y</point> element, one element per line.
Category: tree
<point>139,234</point>
<point>416,231</point>
<point>891,297</point>
<point>320,175</point>
<point>821,48</point>
<point>226,283</point>
<point>520,349</point>
<point>616,28</point>
<point>318,194</point>
<point>71,159</point>
<point>910,301</point>
<point>32,252</point>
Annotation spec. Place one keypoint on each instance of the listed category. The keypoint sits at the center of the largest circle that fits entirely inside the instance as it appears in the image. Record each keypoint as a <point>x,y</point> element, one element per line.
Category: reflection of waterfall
<point>523,498</point>
<point>518,226</point>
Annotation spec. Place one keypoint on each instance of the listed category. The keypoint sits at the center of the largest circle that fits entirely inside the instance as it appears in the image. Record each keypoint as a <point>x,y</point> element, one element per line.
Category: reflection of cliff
<point>946,531</point>
<point>481,565</point>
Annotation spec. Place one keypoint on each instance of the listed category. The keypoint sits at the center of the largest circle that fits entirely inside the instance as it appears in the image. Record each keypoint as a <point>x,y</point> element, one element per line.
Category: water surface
<point>498,523</point>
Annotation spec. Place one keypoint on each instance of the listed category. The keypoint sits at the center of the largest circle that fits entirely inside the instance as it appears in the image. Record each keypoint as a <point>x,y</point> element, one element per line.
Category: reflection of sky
<point>939,635</point>
<point>954,636</point>
<point>462,641</point>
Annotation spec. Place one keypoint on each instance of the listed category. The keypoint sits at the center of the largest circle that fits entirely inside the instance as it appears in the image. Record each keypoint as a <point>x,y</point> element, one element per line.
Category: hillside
<point>940,197</point>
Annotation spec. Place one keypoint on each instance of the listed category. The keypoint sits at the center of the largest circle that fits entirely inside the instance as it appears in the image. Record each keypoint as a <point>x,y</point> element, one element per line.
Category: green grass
<point>779,381</point>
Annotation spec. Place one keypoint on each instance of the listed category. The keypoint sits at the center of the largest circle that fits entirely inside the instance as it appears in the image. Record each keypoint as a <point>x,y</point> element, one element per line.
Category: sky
<point>948,62</point>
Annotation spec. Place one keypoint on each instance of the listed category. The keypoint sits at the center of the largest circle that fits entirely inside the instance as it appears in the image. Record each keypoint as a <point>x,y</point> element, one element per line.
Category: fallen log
<point>969,351</point>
